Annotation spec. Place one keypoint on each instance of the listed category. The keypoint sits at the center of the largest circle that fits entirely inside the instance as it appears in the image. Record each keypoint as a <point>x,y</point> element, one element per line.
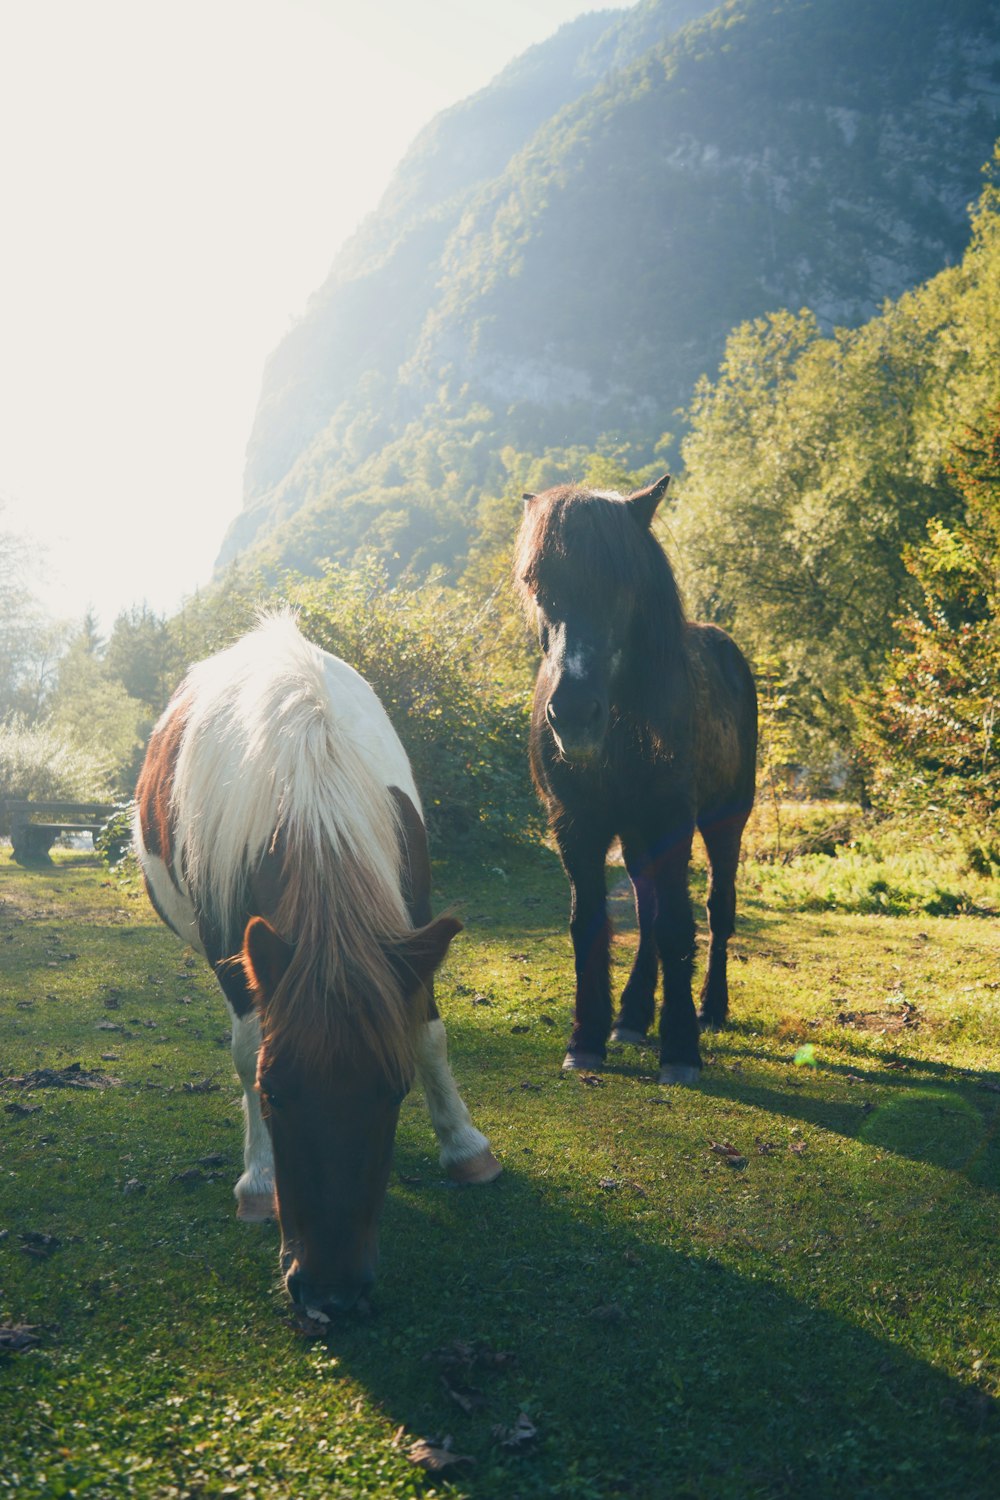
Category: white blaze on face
<point>573,658</point>
<point>575,662</point>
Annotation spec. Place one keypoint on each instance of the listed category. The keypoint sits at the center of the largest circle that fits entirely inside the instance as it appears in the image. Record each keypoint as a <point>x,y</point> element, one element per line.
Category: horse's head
<point>332,1111</point>
<point>578,557</point>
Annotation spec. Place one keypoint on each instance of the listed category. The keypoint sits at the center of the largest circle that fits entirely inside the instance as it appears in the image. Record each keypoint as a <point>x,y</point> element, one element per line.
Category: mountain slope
<point>560,257</point>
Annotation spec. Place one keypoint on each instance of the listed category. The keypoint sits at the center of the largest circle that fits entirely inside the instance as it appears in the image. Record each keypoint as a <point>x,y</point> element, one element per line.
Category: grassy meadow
<point>784,1282</point>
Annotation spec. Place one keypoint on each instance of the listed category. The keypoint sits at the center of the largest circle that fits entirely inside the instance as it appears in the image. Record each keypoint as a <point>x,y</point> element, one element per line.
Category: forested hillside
<point>836,501</point>
<point>561,257</point>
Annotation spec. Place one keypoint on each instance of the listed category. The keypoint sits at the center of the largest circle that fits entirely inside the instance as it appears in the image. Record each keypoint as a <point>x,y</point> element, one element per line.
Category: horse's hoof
<point>582,1062</point>
<point>256,1208</point>
<point>710,1023</point>
<point>632,1038</point>
<point>475,1170</point>
<point>679,1073</point>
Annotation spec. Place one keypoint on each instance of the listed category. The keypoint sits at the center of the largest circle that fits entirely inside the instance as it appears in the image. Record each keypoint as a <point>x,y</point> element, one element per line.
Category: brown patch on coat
<point>154,790</point>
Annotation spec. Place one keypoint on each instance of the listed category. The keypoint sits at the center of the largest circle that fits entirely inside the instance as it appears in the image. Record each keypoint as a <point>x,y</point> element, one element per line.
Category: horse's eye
<point>270,1098</point>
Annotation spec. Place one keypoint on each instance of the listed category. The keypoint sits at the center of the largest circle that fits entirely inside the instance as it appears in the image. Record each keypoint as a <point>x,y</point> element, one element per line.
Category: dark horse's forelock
<point>590,547</point>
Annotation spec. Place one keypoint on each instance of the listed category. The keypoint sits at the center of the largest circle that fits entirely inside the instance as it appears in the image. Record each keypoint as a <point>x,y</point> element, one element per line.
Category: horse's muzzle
<point>577,722</point>
<point>327,1301</point>
<point>327,1297</point>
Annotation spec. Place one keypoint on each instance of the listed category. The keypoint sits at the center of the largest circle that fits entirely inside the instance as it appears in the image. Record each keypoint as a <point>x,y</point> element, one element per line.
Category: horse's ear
<point>527,497</point>
<point>644,502</point>
<point>265,957</point>
<point>422,951</point>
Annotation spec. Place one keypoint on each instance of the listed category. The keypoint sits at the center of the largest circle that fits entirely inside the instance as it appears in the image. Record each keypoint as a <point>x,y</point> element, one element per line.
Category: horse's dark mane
<point>587,546</point>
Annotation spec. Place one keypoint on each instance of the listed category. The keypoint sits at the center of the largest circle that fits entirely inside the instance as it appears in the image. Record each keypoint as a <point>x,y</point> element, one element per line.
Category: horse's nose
<point>340,1297</point>
<point>580,717</point>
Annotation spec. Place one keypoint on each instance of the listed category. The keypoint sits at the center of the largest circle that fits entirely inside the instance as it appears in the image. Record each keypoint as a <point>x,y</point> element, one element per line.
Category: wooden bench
<point>35,826</point>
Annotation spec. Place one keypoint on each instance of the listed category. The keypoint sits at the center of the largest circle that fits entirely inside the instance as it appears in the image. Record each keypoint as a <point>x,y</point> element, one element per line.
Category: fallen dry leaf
<point>435,1459</point>
<point>729,1154</point>
<point>460,1354</point>
<point>75,1076</point>
<point>39,1245</point>
<point>310,1328</point>
<point>190,1176</point>
<point>467,1398</point>
<point>16,1337</point>
<point>611,1312</point>
<point>523,1431</point>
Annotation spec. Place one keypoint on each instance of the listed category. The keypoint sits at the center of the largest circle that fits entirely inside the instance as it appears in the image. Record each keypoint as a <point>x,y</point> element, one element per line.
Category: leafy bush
<point>456,703</point>
<point>114,842</point>
<point>41,762</point>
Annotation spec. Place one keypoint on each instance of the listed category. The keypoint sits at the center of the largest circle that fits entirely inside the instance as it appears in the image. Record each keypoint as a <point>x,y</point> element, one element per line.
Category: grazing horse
<point>644,728</point>
<point>280,834</point>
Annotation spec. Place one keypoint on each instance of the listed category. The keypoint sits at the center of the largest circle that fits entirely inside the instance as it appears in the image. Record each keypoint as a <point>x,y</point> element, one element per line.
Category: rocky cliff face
<point>564,253</point>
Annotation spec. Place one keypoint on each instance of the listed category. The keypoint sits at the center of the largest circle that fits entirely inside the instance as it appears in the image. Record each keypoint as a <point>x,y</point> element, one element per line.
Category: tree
<point>814,462</point>
<point>934,725</point>
<point>29,642</point>
<point>93,711</point>
<point>141,656</point>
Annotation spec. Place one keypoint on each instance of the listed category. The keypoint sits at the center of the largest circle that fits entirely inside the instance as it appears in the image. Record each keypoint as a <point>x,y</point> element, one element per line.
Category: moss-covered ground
<point>781,1283</point>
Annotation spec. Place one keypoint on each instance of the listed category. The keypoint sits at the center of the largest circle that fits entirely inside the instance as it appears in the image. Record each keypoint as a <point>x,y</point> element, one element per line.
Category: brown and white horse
<point>281,835</point>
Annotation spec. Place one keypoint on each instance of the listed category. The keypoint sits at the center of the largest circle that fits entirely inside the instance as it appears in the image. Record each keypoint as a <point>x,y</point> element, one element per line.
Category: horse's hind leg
<point>680,1058</point>
<point>722,844</point>
<point>638,1002</point>
<point>255,1189</point>
<point>465,1151</point>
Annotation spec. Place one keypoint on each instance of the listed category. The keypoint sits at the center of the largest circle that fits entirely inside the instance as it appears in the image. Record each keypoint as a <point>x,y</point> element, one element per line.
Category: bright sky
<point>175,179</point>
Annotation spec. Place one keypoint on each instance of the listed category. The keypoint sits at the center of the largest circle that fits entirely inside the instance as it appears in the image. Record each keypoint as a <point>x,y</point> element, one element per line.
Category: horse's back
<point>270,729</point>
<point>725,721</point>
<point>362,714</point>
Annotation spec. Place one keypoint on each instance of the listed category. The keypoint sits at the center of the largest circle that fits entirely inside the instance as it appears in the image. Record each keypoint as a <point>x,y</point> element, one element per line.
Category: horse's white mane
<point>264,751</point>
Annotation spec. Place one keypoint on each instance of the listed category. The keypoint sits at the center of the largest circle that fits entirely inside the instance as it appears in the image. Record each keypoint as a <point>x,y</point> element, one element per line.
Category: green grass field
<point>782,1283</point>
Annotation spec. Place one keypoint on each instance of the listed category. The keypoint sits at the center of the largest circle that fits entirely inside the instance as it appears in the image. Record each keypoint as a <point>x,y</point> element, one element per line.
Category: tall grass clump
<point>875,868</point>
<point>42,762</point>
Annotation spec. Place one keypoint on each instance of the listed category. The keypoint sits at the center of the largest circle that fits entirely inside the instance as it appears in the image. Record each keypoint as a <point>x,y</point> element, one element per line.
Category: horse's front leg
<point>465,1151</point>
<point>255,1189</point>
<point>680,1058</point>
<point>590,931</point>
<point>638,1002</point>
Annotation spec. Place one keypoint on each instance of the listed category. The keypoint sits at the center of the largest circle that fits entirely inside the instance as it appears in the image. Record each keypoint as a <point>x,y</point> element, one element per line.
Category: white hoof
<point>475,1170</point>
<point>680,1073</point>
<point>582,1062</point>
<point>256,1208</point>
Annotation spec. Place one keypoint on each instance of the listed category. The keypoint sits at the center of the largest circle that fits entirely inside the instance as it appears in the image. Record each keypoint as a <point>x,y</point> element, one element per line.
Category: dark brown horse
<point>280,833</point>
<point>644,728</point>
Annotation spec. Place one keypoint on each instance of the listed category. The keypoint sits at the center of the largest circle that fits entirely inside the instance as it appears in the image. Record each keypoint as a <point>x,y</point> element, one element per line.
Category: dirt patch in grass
<point>904,1017</point>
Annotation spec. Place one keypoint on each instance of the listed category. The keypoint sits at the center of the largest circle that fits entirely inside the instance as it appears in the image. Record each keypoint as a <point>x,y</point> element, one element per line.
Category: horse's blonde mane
<point>267,764</point>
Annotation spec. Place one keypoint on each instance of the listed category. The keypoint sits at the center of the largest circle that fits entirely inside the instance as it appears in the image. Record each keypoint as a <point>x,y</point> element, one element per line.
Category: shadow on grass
<point>927,1121</point>
<point>645,1372</point>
